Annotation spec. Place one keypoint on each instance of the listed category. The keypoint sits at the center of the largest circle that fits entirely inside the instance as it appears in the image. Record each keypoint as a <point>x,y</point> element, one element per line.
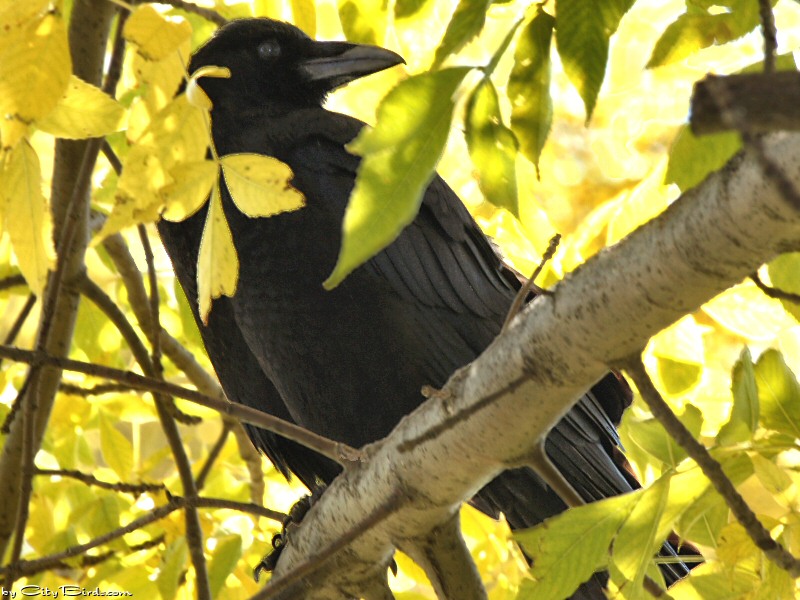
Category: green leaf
<point>226,554</point>
<point>117,449</point>
<point>744,415</point>
<point>359,20</point>
<point>774,479</point>
<point>529,86</point>
<point>784,273</point>
<point>172,568</point>
<point>681,355</point>
<point>778,394</point>
<point>568,548</point>
<point>492,147</point>
<point>692,158</point>
<point>467,22</point>
<point>400,156</point>
<point>407,8</point>
<point>653,439</point>
<point>638,538</point>
<point>583,31</point>
<point>697,29</point>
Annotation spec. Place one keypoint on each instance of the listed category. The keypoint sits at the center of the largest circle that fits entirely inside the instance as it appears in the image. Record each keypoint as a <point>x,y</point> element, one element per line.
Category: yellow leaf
<point>259,185</point>
<point>35,67</point>
<point>177,135</point>
<point>156,35</point>
<point>27,216</point>
<point>190,188</point>
<point>84,111</point>
<point>217,263</point>
<point>197,97</point>
<point>159,81</point>
<point>13,12</point>
<point>117,449</point>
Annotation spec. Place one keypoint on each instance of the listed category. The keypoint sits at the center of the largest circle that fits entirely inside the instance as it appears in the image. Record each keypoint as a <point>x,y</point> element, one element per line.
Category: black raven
<point>423,307</point>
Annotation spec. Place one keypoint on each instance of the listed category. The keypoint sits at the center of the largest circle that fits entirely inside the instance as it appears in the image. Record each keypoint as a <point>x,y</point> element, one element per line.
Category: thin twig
<point>774,292</point>
<point>126,488</point>
<point>710,467</point>
<point>336,451</point>
<point>30,567</point>
<point>16,326</point>
<point>20,320</point>
<point>12,281</point>
<point>769,33</point>
<point>522,294</point>
<point>95,390</point>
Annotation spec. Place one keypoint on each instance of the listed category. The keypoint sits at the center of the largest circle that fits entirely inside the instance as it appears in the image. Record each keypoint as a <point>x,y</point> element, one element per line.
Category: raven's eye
<point>269,49</point>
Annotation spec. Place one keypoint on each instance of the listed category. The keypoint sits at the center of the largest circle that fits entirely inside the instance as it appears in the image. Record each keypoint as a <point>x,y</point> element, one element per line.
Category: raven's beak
<point>338,63</point>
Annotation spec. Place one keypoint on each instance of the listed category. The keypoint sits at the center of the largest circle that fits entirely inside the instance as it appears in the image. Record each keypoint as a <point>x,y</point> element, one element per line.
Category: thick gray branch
<point>497,410</point>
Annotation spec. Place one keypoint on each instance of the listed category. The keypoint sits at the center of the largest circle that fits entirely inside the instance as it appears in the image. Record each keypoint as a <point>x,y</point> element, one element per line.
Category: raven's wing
<point>238,371</point>
<point>442,262</point>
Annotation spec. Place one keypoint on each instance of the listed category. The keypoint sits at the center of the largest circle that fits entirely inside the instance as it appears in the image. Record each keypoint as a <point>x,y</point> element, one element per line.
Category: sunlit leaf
<point>692,159</point>
<point>465,24</point>
<point>217,263</point>
<point>84,111</point>
<point>400,155</point>
<point>711,581</point>
<point>226,555</point>
<point>305,16</point>
<point>735,545</point>
<point>745,412</point>
<point>681,355</point>
<point>638,539</point>
<point>195,94</point>
<point>529,86</point>
<point>771,476</point>
<point>172,568</point>
<point>651,436</point>
<point>567,549</point>
<point>28,223</point>
<point>408,8</point>
<point>784,273</point>
<point>35,68</point>
<point>363,21</point>
<point>761,322</point>
<point>697,29</point>
<point>582,36</point>
<point>156,35</point>
<point>492,147</point>
<point>117,449</point>
<point>778,394</point>
<point>190,188</point>
<point>259,185</point>
<point>177,135</point>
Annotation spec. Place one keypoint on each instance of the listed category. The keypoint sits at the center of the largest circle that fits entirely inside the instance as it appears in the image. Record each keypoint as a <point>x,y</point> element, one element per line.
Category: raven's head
<point>274,63</point>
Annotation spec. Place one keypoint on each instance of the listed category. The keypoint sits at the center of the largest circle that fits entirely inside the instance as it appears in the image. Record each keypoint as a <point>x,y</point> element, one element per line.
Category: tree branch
<point>341,453</point>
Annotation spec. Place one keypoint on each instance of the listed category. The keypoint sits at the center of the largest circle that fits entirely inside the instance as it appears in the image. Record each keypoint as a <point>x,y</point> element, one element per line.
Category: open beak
<point>338,63</point>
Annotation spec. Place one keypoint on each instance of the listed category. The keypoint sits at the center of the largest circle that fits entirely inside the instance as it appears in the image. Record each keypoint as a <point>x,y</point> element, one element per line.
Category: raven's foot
<point>296,515</point>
